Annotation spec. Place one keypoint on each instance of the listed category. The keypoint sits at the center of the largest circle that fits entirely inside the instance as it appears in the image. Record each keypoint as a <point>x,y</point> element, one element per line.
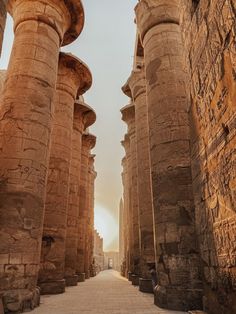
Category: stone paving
<point>108,293</point>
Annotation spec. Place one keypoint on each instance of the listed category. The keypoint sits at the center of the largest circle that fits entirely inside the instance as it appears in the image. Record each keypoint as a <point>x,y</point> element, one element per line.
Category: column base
<point>53,287</point>
<point>145,285</point>
<point>130,275</point>
<point>177,299</point>
<point>71,281</point>
<point>135,280</point>
<point>18,301</point>
<point>81,277</point>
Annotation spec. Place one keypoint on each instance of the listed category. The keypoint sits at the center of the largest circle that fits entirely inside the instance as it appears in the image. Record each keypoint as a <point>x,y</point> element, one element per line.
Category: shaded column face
<point>90,219</point>
<point>125,265</point>
<point>83,117</point>
<point>128,115</point>
<point>88,141</point>
<point>137,84</point>
<point>73,206</point>
<point>134,195</point>
<point>3,15</point>
<point>26,110</point>
<point>128,198</point>
<point>176,249</point>
<point>51,275</point>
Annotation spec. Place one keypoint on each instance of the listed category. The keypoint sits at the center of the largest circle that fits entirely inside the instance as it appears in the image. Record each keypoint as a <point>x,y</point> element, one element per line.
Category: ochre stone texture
<point>177,259</point>
<point>98,253</point>
<point>3,74</point>
<point>3,15</point>
<point>73,78</point>
<point>128,116</point>
<point>84,116</point>
<point>88,142</point>
<point>125,224</point>
<point>209,32</point>
<point>89,241</point>
<point>137,84</point>
<point>122,223</point>
<point>25,127</point>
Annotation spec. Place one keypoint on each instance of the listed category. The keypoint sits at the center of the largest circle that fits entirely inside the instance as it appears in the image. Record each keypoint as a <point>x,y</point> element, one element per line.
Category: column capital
<point>150,13</point>
<point>85,113</point>
<point>126,90</point>
<point>126,144</point>
<point>66,17</point>
<point>128,113</point>
<point>89,140</point>
<point>137,83</point>
<point>74,75</point>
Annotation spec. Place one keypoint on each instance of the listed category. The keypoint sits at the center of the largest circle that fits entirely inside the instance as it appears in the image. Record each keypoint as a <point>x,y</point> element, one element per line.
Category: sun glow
<point>106,225</point>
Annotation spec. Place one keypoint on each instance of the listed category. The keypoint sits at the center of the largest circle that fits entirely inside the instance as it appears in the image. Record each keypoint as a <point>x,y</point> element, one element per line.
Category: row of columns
<point>161,203</point>
<point>47,182</point>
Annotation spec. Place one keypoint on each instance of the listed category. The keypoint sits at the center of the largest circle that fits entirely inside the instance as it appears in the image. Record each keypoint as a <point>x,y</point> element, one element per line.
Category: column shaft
<point>88,141</point>
<point>137,84</point>
<point>176,249</point>
<point>51,276</point>
<point>25,128</point>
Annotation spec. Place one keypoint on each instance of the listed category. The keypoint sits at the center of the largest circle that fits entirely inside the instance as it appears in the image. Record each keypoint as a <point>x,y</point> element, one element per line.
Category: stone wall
<point>209,29</point>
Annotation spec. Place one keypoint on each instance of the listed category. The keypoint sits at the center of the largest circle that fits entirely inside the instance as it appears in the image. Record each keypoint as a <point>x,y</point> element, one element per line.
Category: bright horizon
<point>106,45</point>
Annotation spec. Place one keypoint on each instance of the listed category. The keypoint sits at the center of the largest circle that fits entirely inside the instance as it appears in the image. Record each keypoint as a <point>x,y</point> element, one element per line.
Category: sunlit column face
<point>106,225</point>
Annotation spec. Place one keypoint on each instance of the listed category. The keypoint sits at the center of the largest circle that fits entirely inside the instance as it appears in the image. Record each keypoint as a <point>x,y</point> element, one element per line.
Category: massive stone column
<point>176,250</point>
<point>137,85</point>
<point>128,115</point>
<point>126,197</point>
<point>3,15</point>
<point>25,126</point>
<point>88,142</point>
<point>73,78</point>
<point>84,116</point>
<point>90,218</point>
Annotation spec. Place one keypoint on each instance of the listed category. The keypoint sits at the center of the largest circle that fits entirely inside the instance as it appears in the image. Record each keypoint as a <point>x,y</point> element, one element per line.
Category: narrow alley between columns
<point>107,293</point>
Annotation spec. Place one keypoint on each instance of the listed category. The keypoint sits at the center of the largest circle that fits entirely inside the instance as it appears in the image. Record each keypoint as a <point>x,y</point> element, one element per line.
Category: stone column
<point>126,162</point>
<point>88,142</point>
<point>128,115</point>
<point>125,264</point>
<point>73,78</point>
<point>176,250</point>
<point>137,85</point>
<point>25,126</point>
<point>89,216</point>
<point>90,219</point>
<point>84,116</point>
<point>3,15</point>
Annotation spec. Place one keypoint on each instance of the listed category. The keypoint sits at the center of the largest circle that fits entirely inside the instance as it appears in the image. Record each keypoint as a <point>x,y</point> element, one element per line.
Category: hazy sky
<point>106,45</point>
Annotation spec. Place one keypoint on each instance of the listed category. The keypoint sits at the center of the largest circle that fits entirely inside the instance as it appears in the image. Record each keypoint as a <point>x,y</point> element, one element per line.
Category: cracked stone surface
<point>108,293</point>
